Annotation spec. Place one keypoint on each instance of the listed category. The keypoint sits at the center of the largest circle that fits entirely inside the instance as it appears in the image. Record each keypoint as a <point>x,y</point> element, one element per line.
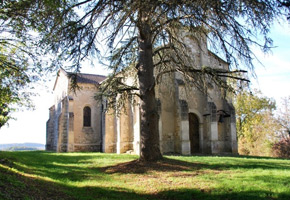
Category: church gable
<point>75,118</point>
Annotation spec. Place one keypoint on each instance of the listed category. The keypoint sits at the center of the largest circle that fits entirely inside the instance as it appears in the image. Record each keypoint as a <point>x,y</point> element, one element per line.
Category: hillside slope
<point>46,175</point>
<point>21,146</point>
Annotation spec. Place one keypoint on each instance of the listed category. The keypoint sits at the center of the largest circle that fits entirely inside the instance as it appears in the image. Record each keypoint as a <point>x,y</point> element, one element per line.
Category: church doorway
<point>193,133</point>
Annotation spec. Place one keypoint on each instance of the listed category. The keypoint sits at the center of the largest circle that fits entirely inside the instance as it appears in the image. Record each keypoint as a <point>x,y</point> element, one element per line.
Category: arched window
<point>87,116</point>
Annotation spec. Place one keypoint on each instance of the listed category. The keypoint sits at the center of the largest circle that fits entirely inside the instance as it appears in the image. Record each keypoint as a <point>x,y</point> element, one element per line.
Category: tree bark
<point>150,150</point>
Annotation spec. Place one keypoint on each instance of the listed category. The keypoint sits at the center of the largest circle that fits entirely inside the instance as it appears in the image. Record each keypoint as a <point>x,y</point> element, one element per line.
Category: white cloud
<point>274,77</point>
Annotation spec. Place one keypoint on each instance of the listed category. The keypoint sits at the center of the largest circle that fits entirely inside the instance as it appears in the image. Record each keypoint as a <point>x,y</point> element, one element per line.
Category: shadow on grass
<point>170,164</point>
<point>16,186</point>
<point>63,167</point>
<point>192,194</point>
<point>164,165</point>
<point>73,167</point>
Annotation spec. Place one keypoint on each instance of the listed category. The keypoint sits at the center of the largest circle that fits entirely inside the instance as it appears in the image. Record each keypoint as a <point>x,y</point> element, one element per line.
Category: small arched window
<point>87,116</point>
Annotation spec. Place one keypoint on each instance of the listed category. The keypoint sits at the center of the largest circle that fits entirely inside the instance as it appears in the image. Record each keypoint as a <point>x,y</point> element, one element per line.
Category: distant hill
<point>22,147</point>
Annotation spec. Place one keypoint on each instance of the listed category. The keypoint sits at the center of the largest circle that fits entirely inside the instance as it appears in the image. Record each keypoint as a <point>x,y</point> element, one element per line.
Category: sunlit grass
<point>112,176</point>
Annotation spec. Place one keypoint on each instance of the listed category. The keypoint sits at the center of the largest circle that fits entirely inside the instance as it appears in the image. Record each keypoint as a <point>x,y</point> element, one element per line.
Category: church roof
<point>88,78</point>
<point>81,78</point>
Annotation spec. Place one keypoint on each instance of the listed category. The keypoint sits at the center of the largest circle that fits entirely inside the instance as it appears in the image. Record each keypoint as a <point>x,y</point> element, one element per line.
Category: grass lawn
<point>46,175</point>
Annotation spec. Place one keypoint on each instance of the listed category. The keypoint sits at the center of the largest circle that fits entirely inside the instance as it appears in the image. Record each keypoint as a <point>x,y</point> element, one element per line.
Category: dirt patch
<point>164,165</point>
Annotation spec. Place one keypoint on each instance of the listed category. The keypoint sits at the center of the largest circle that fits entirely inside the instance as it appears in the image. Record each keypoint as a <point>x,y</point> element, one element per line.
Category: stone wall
<point>50,131</point>
<point>63,126</point>
<point>110,136</point>
<point>126,130</point>
<point>81,137</point>
<point>167,96</point>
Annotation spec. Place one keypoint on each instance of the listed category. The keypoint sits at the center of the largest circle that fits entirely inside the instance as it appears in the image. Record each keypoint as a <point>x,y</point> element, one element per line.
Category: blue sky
<point>274,77</point>
<point>273,80</point>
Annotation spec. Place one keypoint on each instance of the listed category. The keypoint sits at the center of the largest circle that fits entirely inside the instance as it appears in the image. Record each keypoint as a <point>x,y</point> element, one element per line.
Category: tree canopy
<point>13,77</point>
<point>19,65</point>
<point>147,37</point>
<point>285,4</point>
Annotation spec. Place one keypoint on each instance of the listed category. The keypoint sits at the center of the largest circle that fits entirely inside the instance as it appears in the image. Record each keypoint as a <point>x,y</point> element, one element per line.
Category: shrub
<point>282,148</point>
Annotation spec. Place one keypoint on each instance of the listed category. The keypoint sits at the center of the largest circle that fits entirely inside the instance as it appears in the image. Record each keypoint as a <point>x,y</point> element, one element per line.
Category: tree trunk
<point>149,132</point>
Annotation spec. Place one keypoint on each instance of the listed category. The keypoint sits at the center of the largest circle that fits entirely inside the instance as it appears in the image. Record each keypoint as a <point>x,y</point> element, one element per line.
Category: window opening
<point>87,116</point>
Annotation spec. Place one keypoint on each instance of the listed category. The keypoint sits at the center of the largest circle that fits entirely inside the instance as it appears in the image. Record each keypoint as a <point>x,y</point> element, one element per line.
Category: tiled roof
<point>89,78</point>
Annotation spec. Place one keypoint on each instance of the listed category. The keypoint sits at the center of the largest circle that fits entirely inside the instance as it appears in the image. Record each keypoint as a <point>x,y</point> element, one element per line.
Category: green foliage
<point>77,30</point>
<point>19,64</point>
<point>256,125</point>
<point>45,175</point>
<point>13,78</point>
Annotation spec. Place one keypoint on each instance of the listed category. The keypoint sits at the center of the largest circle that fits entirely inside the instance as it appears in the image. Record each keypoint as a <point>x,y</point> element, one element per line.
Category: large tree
<point>13,79</point>
<point>147,36</point>
<point>19,65</point>
<point>285,4</point>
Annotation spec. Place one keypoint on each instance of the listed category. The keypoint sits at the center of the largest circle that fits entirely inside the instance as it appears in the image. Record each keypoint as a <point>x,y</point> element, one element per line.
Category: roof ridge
<point>79,73</point>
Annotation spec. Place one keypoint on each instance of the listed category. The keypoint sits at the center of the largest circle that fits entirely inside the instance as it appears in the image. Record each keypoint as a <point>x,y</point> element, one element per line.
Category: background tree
<point>282,147</point>
<point>284,117</point>
<point>148,37</point>
<point>257,126</point>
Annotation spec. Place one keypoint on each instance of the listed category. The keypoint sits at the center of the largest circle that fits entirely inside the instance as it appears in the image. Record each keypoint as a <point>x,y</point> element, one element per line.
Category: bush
<point>282,148</point>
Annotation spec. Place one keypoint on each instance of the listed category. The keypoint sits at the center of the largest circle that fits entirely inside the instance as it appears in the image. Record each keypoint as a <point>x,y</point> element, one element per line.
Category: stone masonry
<point>190,122</point>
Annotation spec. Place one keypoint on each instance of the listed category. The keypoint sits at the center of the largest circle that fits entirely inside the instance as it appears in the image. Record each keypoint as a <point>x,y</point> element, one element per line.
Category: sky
<point>273,79</point>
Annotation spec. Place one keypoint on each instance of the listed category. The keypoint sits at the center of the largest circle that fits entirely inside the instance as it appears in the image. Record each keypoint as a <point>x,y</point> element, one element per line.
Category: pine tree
<point>148,37</point>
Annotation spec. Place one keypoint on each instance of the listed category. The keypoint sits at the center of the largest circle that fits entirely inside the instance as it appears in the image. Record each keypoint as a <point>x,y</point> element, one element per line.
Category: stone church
<point>190,121</point>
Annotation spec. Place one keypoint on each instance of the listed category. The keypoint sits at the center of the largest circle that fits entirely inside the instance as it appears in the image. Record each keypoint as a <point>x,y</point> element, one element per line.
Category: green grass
<point>45,175</point>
